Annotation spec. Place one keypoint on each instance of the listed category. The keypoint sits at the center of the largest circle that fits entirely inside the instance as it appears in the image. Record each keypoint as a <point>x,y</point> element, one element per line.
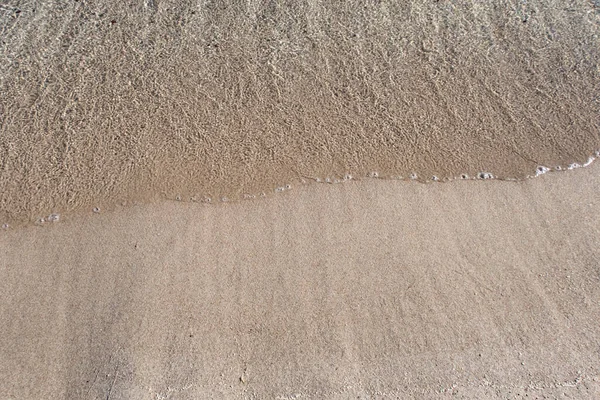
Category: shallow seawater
<point>108,104</point>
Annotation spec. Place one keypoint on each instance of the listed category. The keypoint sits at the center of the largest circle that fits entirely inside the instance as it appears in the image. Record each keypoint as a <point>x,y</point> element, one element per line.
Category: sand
<point>371,289</point>
<point>163,234</point>
<point>107,101</point>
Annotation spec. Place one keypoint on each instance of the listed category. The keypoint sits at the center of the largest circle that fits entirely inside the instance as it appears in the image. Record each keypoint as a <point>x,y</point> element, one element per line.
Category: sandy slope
<point>369,289</point>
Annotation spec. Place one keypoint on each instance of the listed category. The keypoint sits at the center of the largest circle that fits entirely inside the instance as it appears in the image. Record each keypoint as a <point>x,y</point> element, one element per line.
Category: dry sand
<point>372,289</point>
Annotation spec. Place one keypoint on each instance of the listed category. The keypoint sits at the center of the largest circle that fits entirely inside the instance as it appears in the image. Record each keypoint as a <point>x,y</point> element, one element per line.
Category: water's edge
<point>56,216</point>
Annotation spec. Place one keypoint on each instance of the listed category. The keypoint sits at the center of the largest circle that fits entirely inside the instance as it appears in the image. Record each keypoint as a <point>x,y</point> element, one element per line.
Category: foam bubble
<point>541,170</point>
<point>589,161</point>
<point>54,217</point>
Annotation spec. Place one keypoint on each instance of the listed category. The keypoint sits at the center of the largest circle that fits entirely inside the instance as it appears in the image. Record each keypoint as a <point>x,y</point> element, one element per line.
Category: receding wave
<point>110,101</point>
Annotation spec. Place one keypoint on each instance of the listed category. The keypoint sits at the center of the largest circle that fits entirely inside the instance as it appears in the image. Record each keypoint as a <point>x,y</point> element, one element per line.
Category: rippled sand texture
<point>115,100</point>
<point>370,290</point>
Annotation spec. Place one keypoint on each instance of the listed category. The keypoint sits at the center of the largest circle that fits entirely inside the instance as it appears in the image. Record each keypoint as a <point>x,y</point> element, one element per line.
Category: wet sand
<point>372,289</point>
<point>103,101</point>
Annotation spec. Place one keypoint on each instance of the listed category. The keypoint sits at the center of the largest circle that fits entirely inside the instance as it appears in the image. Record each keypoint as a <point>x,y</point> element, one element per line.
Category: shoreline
<point>56,216</point>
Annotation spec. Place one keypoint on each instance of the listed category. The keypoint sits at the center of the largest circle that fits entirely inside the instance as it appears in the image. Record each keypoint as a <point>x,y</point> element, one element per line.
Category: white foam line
<point>483,175</point>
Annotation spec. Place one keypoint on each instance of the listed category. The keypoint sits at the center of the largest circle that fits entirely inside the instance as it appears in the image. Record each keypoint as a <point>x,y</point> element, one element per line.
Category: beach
<point>299,199</point>
<point>372,289</point>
